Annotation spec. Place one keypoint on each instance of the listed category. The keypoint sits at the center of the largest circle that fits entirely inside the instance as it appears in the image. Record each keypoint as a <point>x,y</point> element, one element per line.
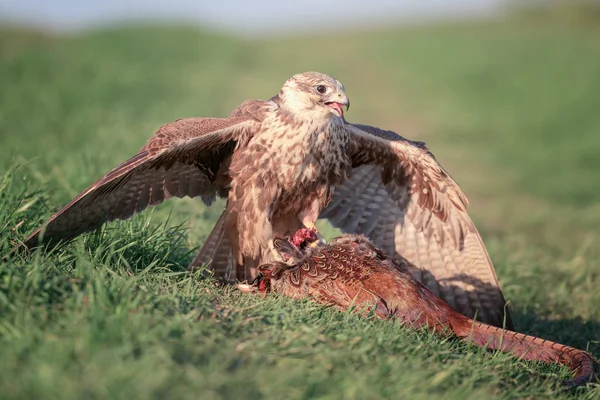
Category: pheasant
<point>351,272</point>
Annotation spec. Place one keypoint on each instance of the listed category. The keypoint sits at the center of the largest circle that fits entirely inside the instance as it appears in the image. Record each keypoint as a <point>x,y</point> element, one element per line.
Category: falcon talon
<point>317,243</point>
<point>246,288</point>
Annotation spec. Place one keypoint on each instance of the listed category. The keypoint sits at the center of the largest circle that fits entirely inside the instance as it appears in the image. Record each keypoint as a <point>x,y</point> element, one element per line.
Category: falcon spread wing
<point>184,158</point>
<point>404,202</point>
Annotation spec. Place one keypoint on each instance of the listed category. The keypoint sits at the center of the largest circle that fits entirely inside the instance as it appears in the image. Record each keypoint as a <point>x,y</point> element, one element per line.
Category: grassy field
<point>510,108</point>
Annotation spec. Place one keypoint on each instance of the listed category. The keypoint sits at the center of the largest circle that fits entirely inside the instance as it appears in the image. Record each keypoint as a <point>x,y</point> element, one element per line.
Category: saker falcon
<point>282,164</point>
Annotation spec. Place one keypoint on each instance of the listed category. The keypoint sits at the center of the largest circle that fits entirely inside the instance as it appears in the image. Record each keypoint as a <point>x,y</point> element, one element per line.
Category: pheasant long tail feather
<point>528,347</point>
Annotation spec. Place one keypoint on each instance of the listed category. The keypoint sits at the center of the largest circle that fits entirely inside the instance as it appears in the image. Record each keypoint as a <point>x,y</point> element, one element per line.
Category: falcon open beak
<point>338,101</point>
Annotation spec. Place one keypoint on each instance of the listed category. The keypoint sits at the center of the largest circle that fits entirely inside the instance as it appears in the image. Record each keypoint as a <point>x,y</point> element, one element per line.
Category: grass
<point>508,107</point>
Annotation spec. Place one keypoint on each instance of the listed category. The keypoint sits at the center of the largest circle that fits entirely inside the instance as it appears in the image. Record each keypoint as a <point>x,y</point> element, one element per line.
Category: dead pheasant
<point>351,272</point>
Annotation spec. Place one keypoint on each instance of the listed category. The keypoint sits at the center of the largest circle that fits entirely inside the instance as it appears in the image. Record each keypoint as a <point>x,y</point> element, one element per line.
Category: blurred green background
<point>509,104</point>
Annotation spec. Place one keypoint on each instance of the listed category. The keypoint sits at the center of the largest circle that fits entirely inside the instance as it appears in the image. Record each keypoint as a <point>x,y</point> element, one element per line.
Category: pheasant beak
<point>338,100</point>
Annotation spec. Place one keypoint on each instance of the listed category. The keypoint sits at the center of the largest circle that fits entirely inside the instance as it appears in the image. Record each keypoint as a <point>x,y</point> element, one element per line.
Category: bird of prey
<point>282,164</point>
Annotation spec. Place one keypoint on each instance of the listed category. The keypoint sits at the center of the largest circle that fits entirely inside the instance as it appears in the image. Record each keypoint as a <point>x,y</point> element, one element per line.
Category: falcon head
<point>315,93</point>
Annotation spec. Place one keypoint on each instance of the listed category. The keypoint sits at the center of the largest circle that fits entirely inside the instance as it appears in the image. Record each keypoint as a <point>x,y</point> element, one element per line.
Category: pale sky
<point>258,16</point>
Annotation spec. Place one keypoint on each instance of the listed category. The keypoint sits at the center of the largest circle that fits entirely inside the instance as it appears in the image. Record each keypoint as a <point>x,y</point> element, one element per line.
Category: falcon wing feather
<point>183,158</point>
<point>409,205</point>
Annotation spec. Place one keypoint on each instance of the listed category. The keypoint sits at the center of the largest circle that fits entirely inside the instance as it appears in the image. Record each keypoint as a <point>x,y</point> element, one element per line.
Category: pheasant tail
<point>528,347</point>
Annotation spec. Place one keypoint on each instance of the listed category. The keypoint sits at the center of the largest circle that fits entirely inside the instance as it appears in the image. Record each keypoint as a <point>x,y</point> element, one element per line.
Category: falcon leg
<point>311,225</point>
<point>320,239</point>
<point>308,217</point>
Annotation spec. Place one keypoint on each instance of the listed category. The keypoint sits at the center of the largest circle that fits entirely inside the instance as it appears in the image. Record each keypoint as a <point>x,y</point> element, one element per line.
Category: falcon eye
<point>321,89</point>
